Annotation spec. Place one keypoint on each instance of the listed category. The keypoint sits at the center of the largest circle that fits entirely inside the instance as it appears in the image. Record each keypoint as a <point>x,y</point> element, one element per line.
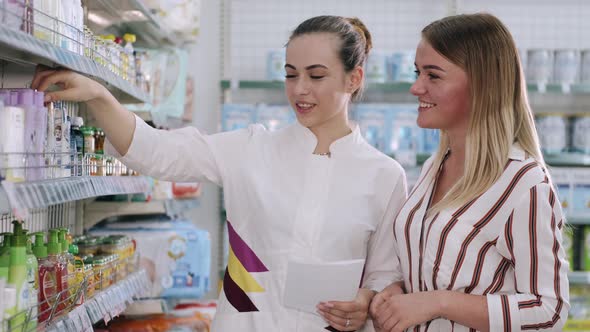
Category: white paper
<point>309,284</point>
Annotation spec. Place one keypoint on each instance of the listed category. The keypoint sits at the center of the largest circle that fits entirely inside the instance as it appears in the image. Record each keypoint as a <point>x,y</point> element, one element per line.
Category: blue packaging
<point>237,116</point>
<point>429,140</point>
<point>404,134</point>
<point>275,65</point>
<point>274,117</point>
<point>376,68</point>
<point>371,119</point>
<point>176,254</point>
<point>402,66</point>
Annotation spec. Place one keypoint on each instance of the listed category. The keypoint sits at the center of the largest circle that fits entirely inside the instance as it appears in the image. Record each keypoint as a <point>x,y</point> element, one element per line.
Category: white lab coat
<point>283,202</point>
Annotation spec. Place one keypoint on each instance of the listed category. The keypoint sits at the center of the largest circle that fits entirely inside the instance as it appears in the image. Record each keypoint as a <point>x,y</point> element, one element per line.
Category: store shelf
<point>98,211</point>
<point>578,220</point>
<point>568,160</point>
<point>579,277</point>
<point>580,88</point>
<point>17,46</point>
<point>275,85</point>
<point>105,305</point>
<point>130,16</point>
<point>39,194</point>
<point>400,87</point>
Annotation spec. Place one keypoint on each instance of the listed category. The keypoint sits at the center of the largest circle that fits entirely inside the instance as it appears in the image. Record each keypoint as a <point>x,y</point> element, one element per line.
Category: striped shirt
<point>505,244</point>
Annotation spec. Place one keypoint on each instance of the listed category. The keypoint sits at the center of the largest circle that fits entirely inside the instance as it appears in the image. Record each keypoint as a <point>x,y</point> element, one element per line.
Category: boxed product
<point>274,117</point>
<point>376,67</point>
<point>237,116</point>
<point>175,253</point>
<point>371,119</point>
<point>275,64</point>
<point>404,134</point>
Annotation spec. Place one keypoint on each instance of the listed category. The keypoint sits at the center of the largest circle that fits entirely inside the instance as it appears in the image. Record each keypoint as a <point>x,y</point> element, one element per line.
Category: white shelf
<point>579,277</point>
<point>105,305</point>
<point>20,47</point>
<point>39,194</point>
<point>578,220</point>
<point>97,211</point>
<point>131,16</point>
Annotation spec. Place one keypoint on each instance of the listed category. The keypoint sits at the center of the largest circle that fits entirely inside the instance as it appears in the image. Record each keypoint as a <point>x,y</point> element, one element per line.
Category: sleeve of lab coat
<point>184,155</point>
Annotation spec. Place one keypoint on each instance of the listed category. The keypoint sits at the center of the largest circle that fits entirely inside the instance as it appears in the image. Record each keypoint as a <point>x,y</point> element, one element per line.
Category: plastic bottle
<point>33,280</point>
<point>26,101</point>
<point>128,48</point>
<point>5,255</point>
<point>40,132</point>
<point>12,137</point>
<point>40,251</point>
<point>49,148</point>
<point>77,144</point>
<point>68,259</point>
<point>17,277</point>
<point>45,20</point>
<point>54,279</point>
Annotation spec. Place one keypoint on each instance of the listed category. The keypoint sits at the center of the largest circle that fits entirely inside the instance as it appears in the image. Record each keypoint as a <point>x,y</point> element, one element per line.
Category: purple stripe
<point>236,296</point>
<point>245,255</point>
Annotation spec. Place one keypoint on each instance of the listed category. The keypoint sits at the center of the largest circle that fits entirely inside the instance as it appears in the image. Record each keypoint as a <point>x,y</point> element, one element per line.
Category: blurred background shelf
<point>398,87</point>
<point>131,16</point>
<point>579,277</point>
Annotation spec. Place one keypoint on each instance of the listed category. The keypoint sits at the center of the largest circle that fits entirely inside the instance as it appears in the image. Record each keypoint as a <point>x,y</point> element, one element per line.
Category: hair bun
<point>363,31</point>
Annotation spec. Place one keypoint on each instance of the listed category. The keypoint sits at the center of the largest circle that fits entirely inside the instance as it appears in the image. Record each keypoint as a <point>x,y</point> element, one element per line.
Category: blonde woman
<point>479,238</point>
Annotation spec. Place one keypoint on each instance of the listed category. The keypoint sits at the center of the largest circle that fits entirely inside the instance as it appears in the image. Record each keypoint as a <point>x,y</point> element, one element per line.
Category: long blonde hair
<point>500,113</point>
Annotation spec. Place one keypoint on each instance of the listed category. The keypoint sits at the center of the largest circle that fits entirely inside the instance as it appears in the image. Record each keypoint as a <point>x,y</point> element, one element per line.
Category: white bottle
<point>41,133</point>
<point>46,20</point>
<point>50,158</point>
<point>14,12</point>
<point>12,136</point>
<point>62,142</point>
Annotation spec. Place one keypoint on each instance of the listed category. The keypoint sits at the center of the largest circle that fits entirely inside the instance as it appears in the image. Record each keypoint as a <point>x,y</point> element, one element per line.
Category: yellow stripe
<point>240,276</point>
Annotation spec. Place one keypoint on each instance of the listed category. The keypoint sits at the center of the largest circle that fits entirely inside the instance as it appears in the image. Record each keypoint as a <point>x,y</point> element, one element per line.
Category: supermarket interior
<point>207,216</point>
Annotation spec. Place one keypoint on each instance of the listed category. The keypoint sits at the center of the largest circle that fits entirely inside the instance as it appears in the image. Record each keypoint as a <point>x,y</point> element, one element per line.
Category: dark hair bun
<point>364,32</point>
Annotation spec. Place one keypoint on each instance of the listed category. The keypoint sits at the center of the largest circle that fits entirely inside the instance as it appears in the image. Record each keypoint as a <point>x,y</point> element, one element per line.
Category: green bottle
<point>17,278</point>
<point>5,255</point>
<point>33,280</point>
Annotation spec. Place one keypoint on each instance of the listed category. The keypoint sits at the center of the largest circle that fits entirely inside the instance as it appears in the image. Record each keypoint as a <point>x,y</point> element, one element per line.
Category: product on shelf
<point>129,50</point>
<point>552,130</point>
<point>585,75</point>
<point>177,244</point>
<point>17,280</point>
<point>567,66</point>
<point>402,67</point>
<point>586,248</point>
<point>12,137</point>
<point>539,66</point>
<point>275,65</point>
<point>580,132</point>
<point>376,67</point>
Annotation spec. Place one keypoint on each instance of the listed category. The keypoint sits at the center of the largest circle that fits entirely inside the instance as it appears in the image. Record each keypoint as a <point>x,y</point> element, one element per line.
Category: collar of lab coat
<point>339,147</point>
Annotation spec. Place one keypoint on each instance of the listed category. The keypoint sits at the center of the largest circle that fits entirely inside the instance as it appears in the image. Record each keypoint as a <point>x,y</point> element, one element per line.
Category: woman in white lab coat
<point>479,239</point>
<point>315,192</point>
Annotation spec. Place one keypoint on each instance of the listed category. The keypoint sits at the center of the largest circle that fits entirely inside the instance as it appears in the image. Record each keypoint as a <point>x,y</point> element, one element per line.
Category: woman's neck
<point>456,158</point>
<point>328,132</point>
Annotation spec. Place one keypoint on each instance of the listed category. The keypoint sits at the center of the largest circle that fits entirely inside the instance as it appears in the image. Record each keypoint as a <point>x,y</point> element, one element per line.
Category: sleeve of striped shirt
<point>382,266</point>
<point>532,241</point>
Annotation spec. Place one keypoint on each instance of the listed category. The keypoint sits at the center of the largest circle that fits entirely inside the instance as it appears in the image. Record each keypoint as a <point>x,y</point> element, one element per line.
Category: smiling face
<point>442,89</point>
<point>318,88</point>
